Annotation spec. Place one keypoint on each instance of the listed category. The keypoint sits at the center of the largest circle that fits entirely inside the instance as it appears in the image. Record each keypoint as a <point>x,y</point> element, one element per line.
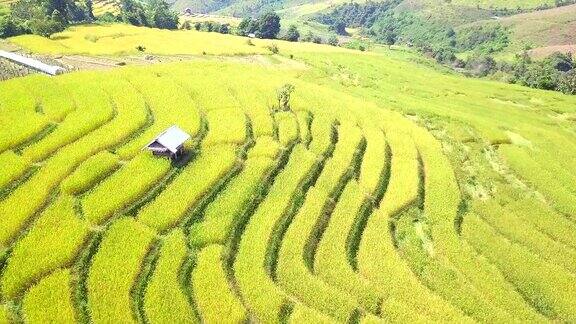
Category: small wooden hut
<point>169,143</point>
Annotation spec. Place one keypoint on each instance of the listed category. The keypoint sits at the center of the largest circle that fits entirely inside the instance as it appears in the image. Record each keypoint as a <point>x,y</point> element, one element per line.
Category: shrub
<point>283,95</point>
<point>292,34</point>
<point>567,83</point>
<point>333,40</point>
<point>273,48</point>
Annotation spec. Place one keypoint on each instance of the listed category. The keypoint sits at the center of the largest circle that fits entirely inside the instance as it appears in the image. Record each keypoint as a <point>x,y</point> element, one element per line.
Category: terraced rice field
<point>389,192</point>
<point>120,39</point>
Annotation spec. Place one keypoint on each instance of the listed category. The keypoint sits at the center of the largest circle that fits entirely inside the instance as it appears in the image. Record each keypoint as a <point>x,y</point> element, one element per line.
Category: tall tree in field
<point>132,12</point>
<point>292,34</point>
<point>268,25</point>
<point>161,16</point>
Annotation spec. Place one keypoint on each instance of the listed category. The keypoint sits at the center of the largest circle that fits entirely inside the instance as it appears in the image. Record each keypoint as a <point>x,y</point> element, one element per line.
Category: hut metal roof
<point>172,139</point>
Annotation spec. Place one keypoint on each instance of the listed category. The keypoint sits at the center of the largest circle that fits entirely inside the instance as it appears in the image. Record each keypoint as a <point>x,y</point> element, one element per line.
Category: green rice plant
<point>516,230</point>
<point>377,258</point>
<point>19,111</point>
<point>404,177</point>
<point>380,263</point>
<point>5,316</point>
<point>292,271</point>
<point>210,92</point>
<point>343,161</point>
<point>168,102</point>
<point>213,294</point>
<point>331,258</point>
<point>265,146</point>
<point>234,92</point>
<point>256,102</point>
<point>135,178</point>
<point>51,243</point>
<point>322,132</point>
<point>261,295</point>
<point>288,129</point>
<point>164,299</point>
<point>558,166</point>
<point>186,191</point>
<point>262,124</point>
<point>40,186</point>
<point>53,99</point>
<point>303,314</point>
<point>546,220</point>
<point>374,163</point>
<point>94,109</point>
<point>304,120</point>
<point>522,163</point>
<point>13,166</point>
<point>225,126</point>
<point>89,173</point>
<point>396,312</point>
<point>114,270</point>
<point>231,203</point>
<point>547,287</point>
<point>469,282</point>
<point>50,300</point>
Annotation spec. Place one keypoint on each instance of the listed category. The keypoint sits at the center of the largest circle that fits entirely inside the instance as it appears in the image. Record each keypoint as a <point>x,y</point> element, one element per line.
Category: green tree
<point>132,12</point>
<point>89,10</point>
<point>292,35</point>
<point>339,27</point>
<point>283,95</point>
<point>246,26</point>
<point>268,25</point>
<point>567,83</point>
<point>224,29</point>
<point>45,27</point>
<point>160,15</point>
<point>333,40</point>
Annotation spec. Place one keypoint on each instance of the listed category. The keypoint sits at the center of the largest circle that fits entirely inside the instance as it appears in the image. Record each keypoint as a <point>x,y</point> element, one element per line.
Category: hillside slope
<point>381,188</point>
<point>253,6</point>
<point>545,30</point>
